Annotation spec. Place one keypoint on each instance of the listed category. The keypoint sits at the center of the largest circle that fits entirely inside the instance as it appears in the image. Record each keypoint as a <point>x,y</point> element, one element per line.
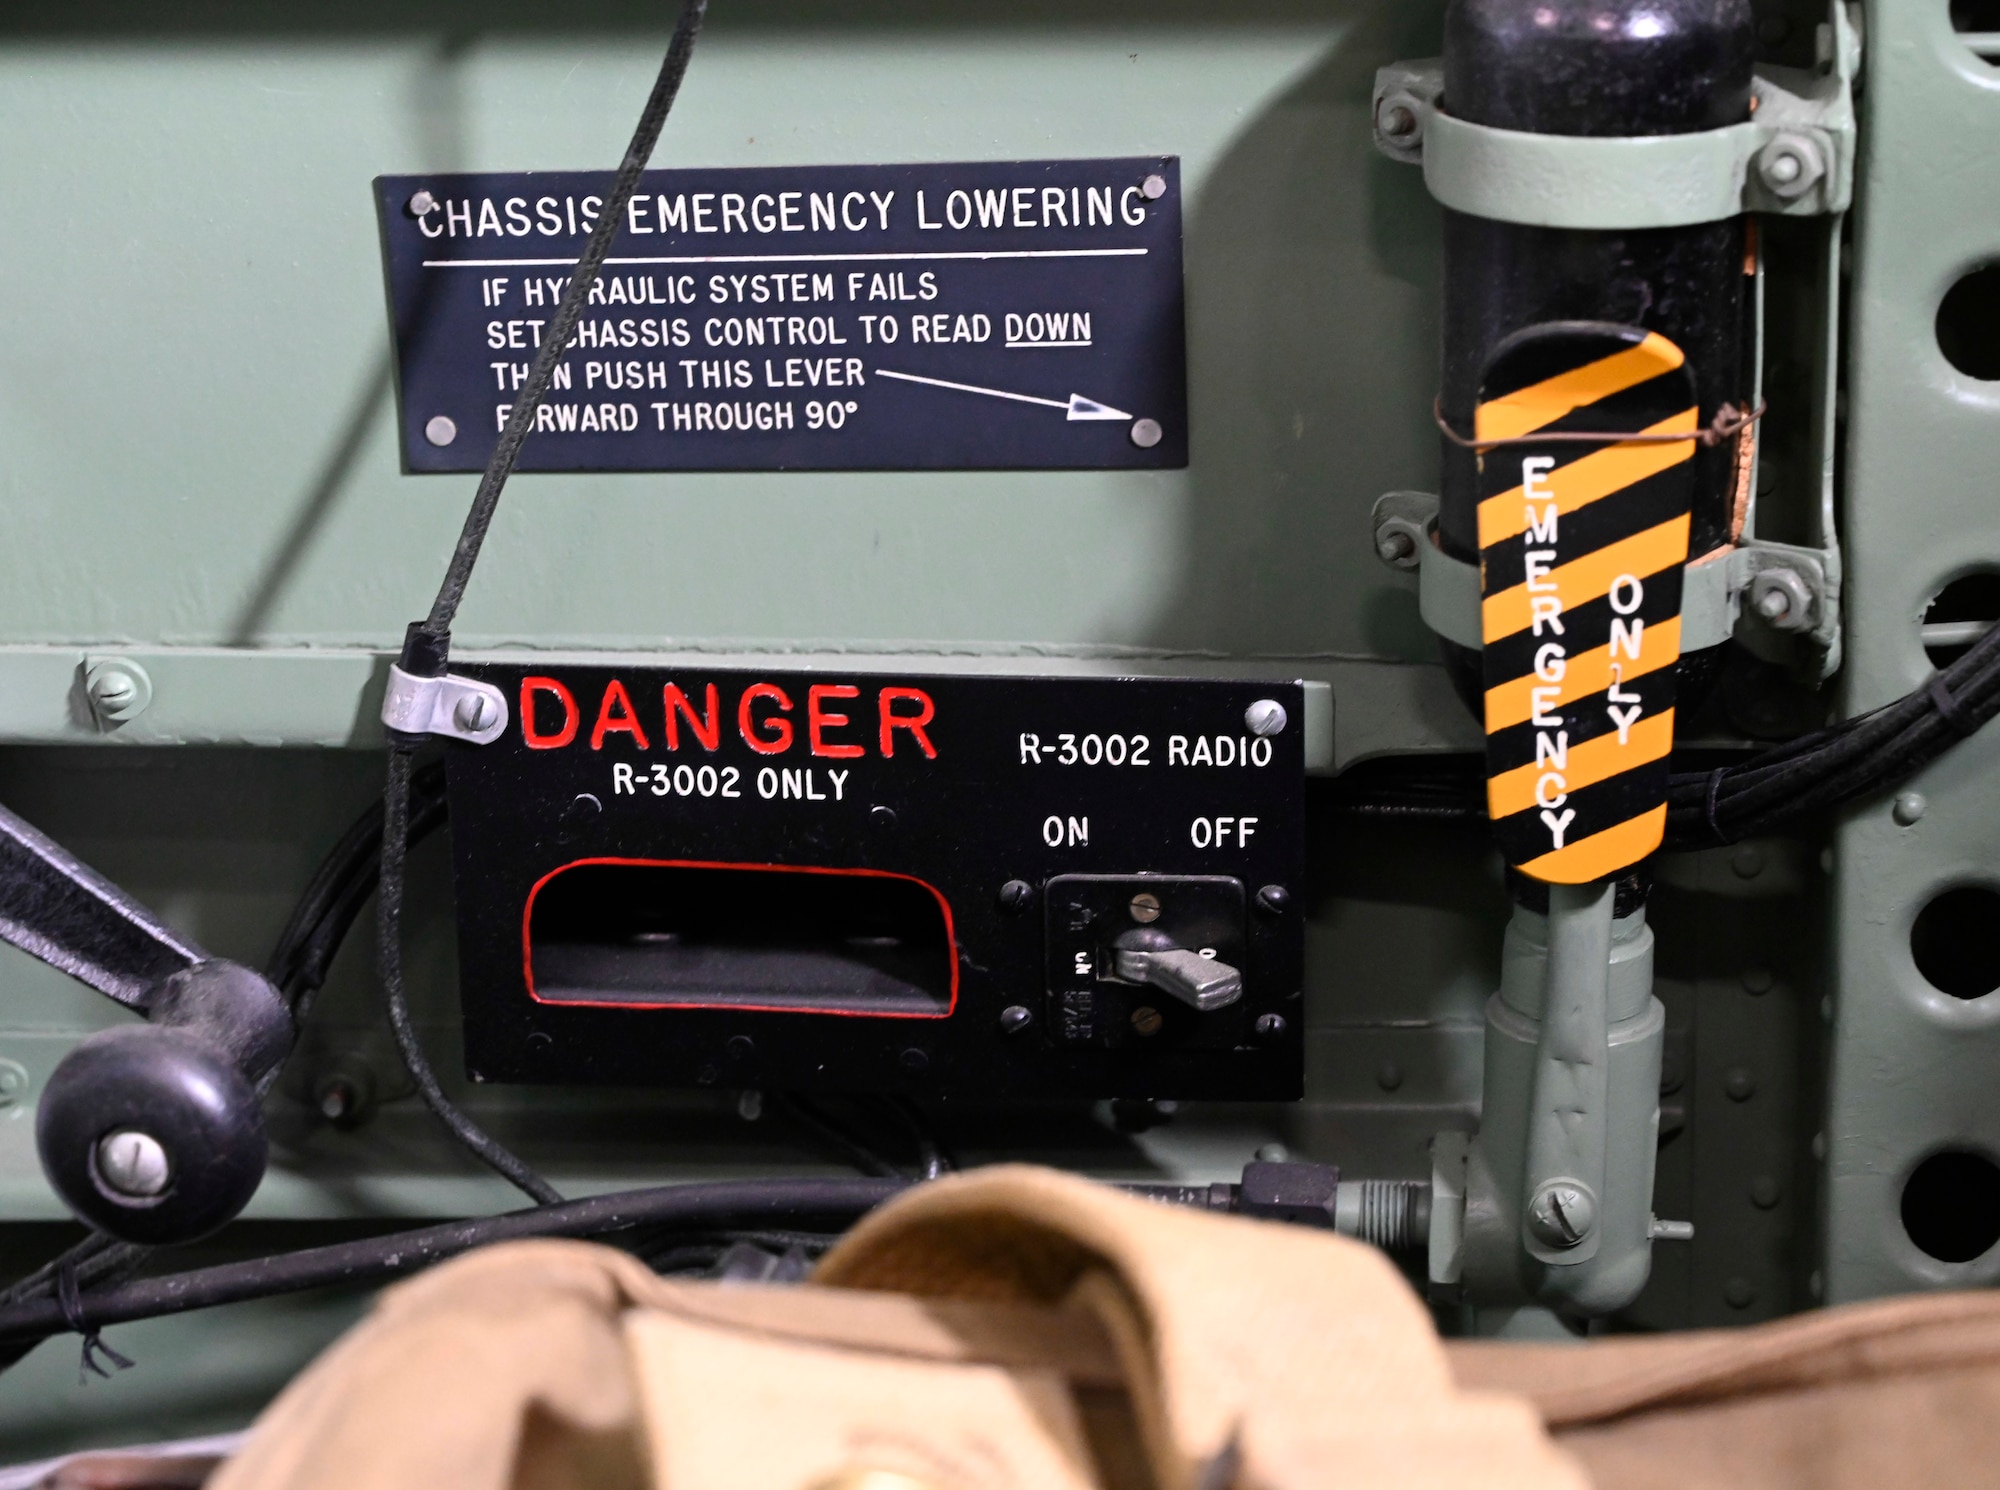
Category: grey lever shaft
<point>1190,977</point>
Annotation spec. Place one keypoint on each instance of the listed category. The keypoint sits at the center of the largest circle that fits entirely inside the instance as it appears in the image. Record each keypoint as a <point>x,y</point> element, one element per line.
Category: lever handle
<point>1198,981</point>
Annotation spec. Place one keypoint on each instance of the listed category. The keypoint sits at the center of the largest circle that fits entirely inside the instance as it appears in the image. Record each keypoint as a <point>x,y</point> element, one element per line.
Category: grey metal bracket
<point>1712,587</point>
<point>454,707</point>
<point>1794,156</point>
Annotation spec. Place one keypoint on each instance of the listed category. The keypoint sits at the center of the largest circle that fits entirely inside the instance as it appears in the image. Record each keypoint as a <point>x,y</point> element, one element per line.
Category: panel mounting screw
<point>441,430</point>
<point>1909,807</point>
<point>1274,899</point>
<point>1265,718</point>
<point>118,690</point>
<point>1146,1020</point>
<point>474,713</point>
<point>1562,1214</point>
<point>1146,433</point>
<point>1270,1026</point>
<point>1015,895</point>
<point>422,202</point>
<point>1015,1018</point>
<point>1145,908</point>
<point>1154,187</point>
<point>133,1164</point>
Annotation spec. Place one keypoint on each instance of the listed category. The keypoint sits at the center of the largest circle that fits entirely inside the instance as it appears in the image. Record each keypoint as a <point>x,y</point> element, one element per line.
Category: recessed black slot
<point>721,936</point>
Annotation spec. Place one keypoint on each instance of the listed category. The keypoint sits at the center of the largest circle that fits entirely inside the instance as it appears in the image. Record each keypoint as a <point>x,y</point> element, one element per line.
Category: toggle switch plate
<point>1089,1003</point>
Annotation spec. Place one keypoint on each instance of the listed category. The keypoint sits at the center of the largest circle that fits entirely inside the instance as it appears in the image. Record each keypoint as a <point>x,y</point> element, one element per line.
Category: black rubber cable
<point>427,644</point>
<point>389,953</point>
<point>375,1260</point>
<point>782,1204</point>
<point>555,342</point>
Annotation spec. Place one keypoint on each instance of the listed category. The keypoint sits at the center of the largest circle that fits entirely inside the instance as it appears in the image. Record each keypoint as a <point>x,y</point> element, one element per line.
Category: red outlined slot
<point>949,948</point>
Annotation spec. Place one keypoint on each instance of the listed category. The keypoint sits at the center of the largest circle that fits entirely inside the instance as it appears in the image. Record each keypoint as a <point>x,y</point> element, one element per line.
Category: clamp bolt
<point>474,713</point>
<point>1782,598</point>
<point>1790,164</point>
<point>1562,1214</point>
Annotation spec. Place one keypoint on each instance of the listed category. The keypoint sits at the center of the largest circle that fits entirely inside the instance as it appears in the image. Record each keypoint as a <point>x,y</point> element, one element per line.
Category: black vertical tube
<point>1595,67</point>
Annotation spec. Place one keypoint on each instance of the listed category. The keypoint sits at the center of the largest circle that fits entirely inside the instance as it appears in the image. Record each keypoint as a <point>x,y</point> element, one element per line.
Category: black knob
<point>151,1134</point>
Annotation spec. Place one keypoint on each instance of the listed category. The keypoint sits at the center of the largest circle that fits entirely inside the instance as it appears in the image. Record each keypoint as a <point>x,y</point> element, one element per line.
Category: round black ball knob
<point>151,1134</point>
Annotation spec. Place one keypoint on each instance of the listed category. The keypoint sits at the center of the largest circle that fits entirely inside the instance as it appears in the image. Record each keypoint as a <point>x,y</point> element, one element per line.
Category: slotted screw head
<point>133,1164</point>
<point>1562,1214</point>
<point>474,713</point>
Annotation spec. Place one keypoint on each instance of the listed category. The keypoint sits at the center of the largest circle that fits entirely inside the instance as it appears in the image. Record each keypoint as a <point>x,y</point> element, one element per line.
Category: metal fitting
<point>1265,718</point>
<point>1791,164</point>
<point>118,690</point>
<point>1782,599</point>
<point>1402,528</point>
<point>133,1164</point>
<point>457,708</point>
<point>1562,1214</point>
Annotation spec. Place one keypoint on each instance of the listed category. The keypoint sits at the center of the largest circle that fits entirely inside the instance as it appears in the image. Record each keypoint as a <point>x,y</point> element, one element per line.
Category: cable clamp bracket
<point>1795,155</point>
<point>1786,588</point>
<point>449,706</point>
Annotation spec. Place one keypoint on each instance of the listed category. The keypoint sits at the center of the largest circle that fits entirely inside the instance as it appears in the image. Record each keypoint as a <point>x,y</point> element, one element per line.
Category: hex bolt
<point>1395,546</point>
<point>1015,896</point>
<point>1562,1214</point>
<point>1145,908</point>
<point>1782,598</point>
<point>133,1164</point>
<point>1790,164</point>
<point>1015,1018</point>
<point>1146,1020</point>
<point>1274,900</point>
<point>1265,718</point>
<point>474,713</point>
<point>1399,121</point>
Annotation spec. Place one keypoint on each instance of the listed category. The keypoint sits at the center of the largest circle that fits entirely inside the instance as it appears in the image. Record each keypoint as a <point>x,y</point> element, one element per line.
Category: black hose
<point>697,1207</point>
<point>784,1205</point>
<point>389,954</point>
<point>555,343</point>
<point>427,644</point>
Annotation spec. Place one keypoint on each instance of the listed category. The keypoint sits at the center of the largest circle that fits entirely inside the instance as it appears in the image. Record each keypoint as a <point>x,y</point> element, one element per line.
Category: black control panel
<point>969,887</point>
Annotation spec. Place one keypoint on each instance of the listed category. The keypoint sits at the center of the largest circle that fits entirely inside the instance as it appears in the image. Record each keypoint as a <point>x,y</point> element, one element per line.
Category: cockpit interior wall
<point>957,675</point>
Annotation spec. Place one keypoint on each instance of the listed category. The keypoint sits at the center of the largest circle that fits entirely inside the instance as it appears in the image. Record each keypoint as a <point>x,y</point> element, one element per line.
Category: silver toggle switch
<point>1146,956</point>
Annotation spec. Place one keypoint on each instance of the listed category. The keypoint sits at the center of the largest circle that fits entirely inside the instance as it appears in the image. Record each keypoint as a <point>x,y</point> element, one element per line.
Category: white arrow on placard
<point>1076,407</point>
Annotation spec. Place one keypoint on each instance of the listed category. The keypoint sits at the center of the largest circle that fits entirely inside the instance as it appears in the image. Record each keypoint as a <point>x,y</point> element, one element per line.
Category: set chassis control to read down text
<point>1023,314</point>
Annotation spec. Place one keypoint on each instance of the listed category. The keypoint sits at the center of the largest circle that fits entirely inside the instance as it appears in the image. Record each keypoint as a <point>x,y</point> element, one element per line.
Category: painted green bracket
<point>1795,155</point>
